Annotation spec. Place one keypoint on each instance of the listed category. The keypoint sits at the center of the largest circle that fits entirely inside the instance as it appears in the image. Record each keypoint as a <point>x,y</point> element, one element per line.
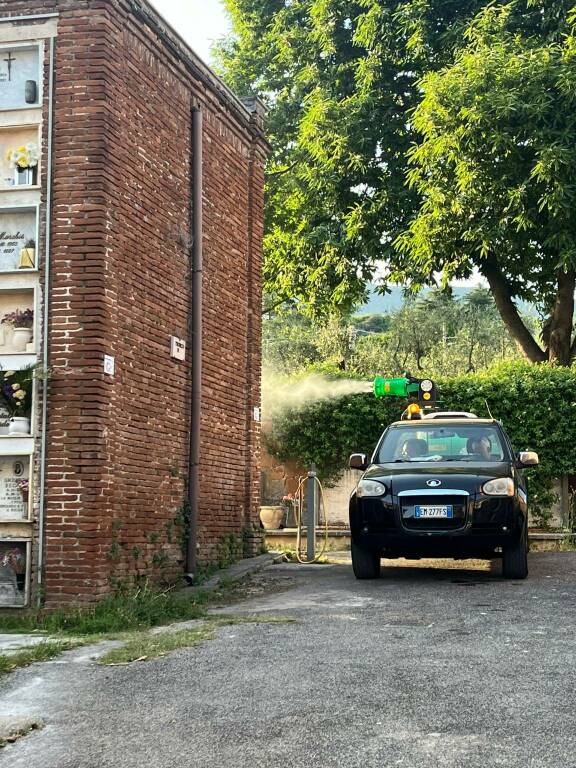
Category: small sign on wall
<point>177,348</point>
<point>109,365</point>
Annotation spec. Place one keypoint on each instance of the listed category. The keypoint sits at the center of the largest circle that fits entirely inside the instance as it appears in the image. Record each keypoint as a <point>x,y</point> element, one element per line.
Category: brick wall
<point>118,446</point>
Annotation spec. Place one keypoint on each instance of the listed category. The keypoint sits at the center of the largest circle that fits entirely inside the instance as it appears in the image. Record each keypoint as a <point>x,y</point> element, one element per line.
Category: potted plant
<point>28,255</point>
<point>16,391</point>
<point>22,323</point>
<point>24,161</point>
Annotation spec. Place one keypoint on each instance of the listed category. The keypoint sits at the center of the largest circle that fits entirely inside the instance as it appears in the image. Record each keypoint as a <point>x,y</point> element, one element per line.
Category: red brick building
<point>98,239</point>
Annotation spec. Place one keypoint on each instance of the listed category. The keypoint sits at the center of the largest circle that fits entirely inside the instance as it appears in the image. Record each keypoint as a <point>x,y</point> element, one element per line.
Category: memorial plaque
<point>19,69</point>
<point>16,229</point>
<point>13,566</point>
<point>14,490</point>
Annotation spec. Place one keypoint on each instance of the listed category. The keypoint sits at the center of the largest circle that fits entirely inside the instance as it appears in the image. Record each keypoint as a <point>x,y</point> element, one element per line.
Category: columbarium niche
<point>14,570</point>
<point>20,83</point>
<point>19,157</point>
<point>18,239</point>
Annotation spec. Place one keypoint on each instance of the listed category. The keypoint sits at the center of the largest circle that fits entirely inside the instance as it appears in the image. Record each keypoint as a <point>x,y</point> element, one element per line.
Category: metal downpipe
<point>46,318</point>
<point>195,341</point>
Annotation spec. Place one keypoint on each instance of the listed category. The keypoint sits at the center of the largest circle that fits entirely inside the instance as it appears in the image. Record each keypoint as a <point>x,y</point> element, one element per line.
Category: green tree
<point>496,170</point>
<point>339,78</point>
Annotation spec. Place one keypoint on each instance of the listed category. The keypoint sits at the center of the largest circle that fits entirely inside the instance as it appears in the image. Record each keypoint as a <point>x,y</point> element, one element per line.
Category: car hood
<point>464,476</point>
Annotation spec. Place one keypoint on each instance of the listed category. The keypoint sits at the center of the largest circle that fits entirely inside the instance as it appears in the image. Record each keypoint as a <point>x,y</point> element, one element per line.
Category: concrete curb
<point>235,572</point>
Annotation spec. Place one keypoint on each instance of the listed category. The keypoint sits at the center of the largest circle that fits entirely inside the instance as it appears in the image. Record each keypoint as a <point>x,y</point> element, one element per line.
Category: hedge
<point>536,404</point>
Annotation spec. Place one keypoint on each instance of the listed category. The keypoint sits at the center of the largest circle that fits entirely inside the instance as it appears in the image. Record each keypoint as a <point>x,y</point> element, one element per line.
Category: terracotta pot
<point>272,517</point>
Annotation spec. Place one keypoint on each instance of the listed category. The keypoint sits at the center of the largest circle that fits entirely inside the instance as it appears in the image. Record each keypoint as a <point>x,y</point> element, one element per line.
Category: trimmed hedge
<point>536,404</point>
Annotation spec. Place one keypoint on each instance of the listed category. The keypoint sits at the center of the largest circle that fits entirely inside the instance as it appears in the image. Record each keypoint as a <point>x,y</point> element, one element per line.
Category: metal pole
<point>311,514</point>
<point>45,329</point>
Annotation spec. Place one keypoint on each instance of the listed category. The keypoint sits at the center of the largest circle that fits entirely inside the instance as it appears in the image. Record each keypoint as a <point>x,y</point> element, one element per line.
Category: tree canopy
<point>339,79</point>
<point>469,101</point>
<point>496,171</point>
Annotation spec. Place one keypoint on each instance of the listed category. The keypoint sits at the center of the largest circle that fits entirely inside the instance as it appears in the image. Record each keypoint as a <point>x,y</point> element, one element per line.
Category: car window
<point>433,442</point>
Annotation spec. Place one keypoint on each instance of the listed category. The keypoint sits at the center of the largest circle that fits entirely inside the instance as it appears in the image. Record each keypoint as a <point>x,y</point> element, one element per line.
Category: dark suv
<point>448,485</point>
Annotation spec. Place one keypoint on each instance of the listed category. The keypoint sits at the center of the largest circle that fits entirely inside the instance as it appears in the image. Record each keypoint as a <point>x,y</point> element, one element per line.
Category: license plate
<point>438,511</point>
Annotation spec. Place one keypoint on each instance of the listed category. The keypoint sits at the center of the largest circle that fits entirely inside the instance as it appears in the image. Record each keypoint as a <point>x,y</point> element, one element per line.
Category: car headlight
<point>501,486</point>
<point>370,488</point>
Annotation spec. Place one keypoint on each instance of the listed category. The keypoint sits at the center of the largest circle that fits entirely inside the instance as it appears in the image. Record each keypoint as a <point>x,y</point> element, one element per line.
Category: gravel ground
<point>425,667</point>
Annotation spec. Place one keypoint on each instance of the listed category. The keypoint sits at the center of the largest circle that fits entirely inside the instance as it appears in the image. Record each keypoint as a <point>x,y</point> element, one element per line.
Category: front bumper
<point>481,525</point>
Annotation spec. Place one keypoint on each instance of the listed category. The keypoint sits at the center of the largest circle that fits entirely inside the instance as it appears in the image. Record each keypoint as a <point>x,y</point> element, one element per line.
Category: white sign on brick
<point>177,348</point>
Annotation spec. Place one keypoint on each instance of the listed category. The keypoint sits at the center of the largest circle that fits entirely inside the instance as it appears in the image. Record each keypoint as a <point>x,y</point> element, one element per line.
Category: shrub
<point>536,404</point>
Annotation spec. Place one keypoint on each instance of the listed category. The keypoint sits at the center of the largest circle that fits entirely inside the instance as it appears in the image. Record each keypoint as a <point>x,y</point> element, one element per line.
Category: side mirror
<point>528,459</point>
<point>359,461</point>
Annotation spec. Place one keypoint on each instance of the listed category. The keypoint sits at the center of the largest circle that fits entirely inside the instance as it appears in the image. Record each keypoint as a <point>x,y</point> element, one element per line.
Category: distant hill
<point>380,305</point>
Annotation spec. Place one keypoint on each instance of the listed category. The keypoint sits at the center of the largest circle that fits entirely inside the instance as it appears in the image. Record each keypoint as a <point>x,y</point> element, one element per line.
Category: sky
<point>199,22</point>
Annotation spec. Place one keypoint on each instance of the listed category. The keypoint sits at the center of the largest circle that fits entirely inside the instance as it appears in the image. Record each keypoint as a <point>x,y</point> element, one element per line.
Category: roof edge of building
<point>245,108</point>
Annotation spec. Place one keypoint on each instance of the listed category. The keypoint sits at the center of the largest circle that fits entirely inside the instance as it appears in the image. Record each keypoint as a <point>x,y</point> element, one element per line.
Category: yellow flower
<point>20,394</point>
<point>8,374</point>
<point>16,387</point>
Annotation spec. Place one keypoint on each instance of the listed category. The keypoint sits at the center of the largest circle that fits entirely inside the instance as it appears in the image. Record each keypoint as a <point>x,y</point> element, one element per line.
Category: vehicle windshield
<point>434,442</point>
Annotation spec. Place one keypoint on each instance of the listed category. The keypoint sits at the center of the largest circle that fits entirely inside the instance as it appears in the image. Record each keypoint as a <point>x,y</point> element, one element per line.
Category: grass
<point>144,647</point>
<point>41,652</point>
<point>147,646</point>
<point>137,609</point>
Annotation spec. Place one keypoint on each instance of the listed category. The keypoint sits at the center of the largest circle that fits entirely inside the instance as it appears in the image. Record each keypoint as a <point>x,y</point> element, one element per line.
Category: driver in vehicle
<point>414,448</point>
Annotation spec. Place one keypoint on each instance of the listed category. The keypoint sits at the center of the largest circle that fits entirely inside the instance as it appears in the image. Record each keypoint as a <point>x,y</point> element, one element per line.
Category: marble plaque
<point>13,503</point>
<point>16,227</point>
<point>17,67</point>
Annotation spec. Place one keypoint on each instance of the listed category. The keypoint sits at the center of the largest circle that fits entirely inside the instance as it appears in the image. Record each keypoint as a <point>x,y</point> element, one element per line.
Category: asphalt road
<point>422,668</point>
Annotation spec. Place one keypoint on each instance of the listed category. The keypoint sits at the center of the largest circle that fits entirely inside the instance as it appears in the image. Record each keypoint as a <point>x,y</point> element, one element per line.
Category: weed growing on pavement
<point>145,646</point>
<point>41,652</point>
<point>128,609</point>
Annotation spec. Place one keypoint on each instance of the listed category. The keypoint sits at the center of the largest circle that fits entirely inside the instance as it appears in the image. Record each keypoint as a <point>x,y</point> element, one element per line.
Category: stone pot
<point>272,517</point>
<point>19,425</point>
<point>22,337</point>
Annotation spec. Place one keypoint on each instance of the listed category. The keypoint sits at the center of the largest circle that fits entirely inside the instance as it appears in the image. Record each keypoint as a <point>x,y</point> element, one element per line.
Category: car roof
<point>445,422</point>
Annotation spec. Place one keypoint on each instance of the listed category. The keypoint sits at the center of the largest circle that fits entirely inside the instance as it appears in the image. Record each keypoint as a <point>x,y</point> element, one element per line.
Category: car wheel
<point>515,558</point>
<point>365,564</point>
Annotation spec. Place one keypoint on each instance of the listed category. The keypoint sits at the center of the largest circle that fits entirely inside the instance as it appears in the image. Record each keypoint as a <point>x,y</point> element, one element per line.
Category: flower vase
<point>22,337</point>
<point>25,177</point>
<point>27,258</point>
<point>19,425</point>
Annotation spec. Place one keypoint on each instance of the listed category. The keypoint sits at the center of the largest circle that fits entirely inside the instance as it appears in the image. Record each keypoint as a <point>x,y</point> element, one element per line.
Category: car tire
<point>515,558</point>
<point>365,564</point>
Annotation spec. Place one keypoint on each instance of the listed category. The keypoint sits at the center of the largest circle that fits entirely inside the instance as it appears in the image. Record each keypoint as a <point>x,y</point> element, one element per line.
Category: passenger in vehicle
<point>480,447</point>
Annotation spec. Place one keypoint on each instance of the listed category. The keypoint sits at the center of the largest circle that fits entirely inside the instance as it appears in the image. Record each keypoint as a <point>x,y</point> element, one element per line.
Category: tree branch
<point>283,170</point>
<point>509,311</point>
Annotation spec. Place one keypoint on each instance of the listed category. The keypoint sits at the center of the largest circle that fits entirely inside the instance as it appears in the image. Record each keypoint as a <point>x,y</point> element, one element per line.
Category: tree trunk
<point>509,312</point>
<point>561,320</point>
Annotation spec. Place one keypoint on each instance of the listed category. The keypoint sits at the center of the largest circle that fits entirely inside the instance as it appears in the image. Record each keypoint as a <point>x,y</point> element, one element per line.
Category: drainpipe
<point>46,298</point>
<point>195,341</point>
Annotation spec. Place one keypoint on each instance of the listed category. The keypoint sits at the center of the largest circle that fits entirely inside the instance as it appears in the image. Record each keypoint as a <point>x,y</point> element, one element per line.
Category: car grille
<point>411,522</point>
